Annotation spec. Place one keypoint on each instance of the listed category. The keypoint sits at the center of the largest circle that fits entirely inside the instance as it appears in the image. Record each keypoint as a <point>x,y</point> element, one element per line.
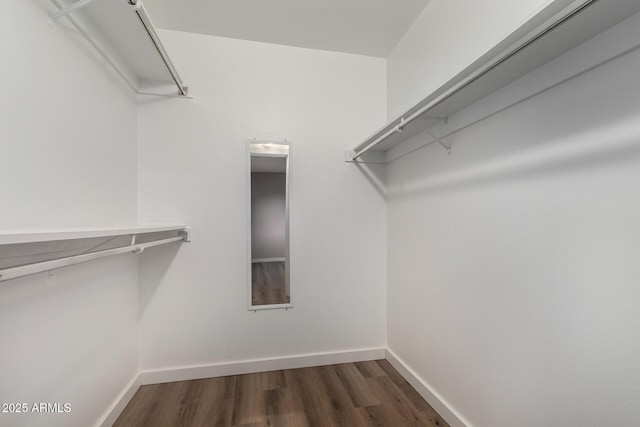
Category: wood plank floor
<point>351,395</point>
<point>267,283</point>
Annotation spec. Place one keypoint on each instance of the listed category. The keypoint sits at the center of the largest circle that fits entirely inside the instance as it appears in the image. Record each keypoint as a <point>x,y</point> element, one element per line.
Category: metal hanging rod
<point>145,20</point>
<point>399,124</point>
<point>39,267</point>
<point>146,23</point>
<point>438,139</point>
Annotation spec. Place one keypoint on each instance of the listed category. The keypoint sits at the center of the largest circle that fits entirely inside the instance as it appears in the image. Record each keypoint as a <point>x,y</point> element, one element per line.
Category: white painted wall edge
<point>253,261</point>
<point>441,406</point>
<point>260,365</point>
<point>113,412</point>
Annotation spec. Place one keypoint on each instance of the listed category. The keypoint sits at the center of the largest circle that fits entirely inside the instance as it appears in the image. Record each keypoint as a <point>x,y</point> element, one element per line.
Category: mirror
<point>269,268</point>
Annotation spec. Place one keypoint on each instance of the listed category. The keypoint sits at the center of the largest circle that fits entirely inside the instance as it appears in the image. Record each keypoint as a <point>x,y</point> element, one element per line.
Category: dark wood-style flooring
<point>267,283</point>
<point>359,394</point>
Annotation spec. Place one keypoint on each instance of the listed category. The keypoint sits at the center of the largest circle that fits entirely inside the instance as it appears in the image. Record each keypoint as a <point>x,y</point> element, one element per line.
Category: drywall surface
<point>68,153</point>
<point>447,37</point>
<point>268,219</point>
<point>68,158</point>
<point>513,275</point>
<point>193,168</point>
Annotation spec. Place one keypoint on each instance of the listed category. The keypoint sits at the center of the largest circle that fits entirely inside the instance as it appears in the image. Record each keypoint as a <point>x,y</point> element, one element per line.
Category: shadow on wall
<point>587,121</point>
<point>44,285</point>
<point>62,28</point>
<point>615,143</point>
<point>153,267</point>
<point>66,331</point>
<point>376,175</point>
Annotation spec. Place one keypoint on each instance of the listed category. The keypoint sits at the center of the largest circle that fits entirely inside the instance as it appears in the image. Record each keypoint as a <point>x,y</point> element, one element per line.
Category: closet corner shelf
<point>37,235</point>
<point>556,29</point>
<point>123,34</point>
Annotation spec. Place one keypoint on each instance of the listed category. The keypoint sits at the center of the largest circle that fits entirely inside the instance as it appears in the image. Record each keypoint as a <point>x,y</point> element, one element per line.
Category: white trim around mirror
<point>265,148</point>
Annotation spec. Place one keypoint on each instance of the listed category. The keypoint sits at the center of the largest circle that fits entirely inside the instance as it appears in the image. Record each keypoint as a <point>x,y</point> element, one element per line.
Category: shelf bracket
<point>401,125</point>
<point>185,234</point>
<point>444,119</point>
<point>67,10</point>
<point>373,157</point>
<point>444,145</point>
<point>447,146</point>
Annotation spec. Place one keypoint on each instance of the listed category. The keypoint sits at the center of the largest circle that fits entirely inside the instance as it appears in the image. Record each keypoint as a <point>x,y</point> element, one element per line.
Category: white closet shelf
<point>123,34</point>
<point>555,30</point>
<point>12,237</point>
<point>35,235</point>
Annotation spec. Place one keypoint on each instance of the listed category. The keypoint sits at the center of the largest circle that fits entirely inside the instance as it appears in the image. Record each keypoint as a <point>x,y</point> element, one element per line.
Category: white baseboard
<point>253,261</point>
<point>441,406</point>
<point>121,402</point>
<point>259,365</point>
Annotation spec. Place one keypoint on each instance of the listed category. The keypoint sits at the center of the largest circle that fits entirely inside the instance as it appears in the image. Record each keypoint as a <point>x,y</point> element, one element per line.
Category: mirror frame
<point>264,151</point>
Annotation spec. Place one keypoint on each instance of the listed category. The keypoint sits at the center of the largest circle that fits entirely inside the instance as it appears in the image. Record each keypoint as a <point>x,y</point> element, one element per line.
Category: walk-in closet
<point>320,213</point>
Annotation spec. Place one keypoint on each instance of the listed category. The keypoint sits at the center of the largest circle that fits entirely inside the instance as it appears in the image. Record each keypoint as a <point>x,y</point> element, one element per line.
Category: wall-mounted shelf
<point>117,240</point>
<point>122,32</point>
<point>17,236</point>
<point>555,30</point>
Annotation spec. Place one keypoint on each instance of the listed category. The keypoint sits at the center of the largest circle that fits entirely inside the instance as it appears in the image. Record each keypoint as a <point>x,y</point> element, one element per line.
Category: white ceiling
<point>367,27</point>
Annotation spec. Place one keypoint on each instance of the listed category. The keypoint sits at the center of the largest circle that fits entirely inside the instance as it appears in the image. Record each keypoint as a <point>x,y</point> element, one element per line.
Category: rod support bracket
<point>67,10</point>
<point>367,157</point>
<point>447,146</point>
<point>185,234</point>
<point>401,125</point>
<point>136,4</point>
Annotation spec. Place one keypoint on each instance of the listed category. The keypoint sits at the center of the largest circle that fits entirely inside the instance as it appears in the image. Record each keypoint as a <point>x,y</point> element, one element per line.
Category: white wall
<point>67,158</point>
<point>447,37</point>
<point>513,274</point>
<point>268,219</point>
<point>192,155</point>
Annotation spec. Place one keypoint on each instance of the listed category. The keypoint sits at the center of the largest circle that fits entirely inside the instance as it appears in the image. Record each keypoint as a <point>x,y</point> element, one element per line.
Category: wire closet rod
<point>39,267</point>
<point>400,123</point>
<point>518,102</point>
<point>146,23</point>
<point>145,20</point>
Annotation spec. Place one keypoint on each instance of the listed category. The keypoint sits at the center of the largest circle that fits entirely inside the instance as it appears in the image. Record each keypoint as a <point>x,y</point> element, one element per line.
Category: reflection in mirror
<point>269,235</point>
